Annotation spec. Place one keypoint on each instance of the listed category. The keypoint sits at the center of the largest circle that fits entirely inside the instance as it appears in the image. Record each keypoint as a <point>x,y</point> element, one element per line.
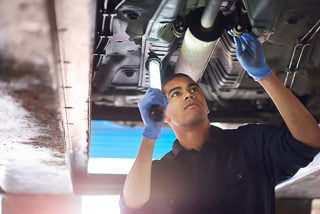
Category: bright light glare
<point>100,204</point>
<point>154,71</point>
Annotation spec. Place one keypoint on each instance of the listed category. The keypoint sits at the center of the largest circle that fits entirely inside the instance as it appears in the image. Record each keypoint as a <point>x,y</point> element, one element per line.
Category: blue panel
<point>111,140</point>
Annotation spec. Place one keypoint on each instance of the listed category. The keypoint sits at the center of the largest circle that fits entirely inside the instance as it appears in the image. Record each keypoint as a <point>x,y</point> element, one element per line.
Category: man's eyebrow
<point>192,84</point>
<point>179,87</point>
<point>173,89</point>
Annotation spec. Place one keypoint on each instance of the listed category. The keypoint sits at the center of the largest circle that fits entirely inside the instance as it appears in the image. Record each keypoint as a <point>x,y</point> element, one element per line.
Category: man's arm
<point>300,122</point>
<point>136,190</point>
<point>297,118</point>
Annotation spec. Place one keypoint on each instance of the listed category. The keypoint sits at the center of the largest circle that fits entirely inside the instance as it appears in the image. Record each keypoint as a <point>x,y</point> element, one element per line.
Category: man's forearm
<point>136,190</point>
<point>298,119</point>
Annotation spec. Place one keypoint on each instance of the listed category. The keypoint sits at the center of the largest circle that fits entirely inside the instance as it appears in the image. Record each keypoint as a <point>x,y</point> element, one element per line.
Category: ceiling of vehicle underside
<point>128,31</point>
<point>51,56</point>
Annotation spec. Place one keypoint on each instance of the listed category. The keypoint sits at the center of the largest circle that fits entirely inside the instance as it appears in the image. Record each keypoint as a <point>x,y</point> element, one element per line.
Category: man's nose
<point>188,96</point>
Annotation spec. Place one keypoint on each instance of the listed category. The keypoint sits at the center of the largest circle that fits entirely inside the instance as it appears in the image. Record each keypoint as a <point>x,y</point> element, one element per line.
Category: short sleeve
<point>281,154</point>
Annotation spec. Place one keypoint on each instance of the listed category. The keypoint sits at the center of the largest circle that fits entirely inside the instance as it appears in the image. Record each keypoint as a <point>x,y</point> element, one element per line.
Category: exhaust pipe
<point>205,26</point>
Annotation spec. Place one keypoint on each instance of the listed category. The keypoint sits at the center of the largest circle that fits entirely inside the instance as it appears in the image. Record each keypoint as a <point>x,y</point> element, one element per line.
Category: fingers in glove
<point>238,43</point>
<point>153,96</point>
<point>251,41</point>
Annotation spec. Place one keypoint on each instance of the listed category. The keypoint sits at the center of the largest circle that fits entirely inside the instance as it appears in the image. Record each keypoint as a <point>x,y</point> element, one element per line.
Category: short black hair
<point>172,76</point>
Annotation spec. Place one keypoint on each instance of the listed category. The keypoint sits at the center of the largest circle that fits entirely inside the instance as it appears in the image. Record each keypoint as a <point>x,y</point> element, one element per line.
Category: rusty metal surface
<point>32,145</point>
<point>44,87</point>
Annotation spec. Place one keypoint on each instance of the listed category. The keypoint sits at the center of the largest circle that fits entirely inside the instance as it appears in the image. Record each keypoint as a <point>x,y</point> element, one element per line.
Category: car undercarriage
<point>128,32</point>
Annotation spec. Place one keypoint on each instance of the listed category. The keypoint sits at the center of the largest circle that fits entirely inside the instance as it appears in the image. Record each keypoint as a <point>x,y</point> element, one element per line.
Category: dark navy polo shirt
<point>235,172</point>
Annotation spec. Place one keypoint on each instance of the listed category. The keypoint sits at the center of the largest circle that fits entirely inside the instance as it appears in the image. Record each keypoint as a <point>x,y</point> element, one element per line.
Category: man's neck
<point>193,137</point>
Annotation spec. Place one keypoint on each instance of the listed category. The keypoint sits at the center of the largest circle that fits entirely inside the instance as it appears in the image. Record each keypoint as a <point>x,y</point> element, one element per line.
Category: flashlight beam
<point>154,74</point>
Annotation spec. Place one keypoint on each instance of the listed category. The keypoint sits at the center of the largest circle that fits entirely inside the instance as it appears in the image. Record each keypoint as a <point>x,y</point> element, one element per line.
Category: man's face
<point>186,103</point>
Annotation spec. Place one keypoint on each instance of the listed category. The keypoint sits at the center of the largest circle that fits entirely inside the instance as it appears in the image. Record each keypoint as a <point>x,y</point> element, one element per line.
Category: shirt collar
<point>215,140</point>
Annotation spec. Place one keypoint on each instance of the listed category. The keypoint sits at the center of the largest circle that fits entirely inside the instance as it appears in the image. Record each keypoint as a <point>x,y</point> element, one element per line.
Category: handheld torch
<point>153,64</point>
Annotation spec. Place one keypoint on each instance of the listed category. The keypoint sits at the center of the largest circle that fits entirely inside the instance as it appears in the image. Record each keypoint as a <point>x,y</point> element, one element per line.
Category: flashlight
<point>153,64</point>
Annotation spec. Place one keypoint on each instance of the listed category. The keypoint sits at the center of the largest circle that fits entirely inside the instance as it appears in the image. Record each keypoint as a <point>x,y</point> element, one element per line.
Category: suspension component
<point>297,53</point>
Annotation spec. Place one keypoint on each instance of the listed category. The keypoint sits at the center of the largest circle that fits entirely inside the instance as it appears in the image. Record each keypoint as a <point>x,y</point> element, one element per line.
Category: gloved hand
<point>251,57</point>
<point>152,96</point>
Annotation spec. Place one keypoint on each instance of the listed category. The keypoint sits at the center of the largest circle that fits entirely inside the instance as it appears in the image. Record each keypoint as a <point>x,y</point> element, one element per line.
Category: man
<point>210,170</point>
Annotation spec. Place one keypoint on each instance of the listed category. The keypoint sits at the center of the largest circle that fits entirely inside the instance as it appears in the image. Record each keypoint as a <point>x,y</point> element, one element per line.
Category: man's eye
<point>194,89</point>
<point>175,94</point>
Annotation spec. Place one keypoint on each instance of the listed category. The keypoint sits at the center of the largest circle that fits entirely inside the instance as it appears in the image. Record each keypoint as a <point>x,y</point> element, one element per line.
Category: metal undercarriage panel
<point>127,32</point>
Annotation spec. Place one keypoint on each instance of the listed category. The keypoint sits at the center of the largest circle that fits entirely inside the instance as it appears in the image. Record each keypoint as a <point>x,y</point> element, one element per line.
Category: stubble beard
<point>194,120</point>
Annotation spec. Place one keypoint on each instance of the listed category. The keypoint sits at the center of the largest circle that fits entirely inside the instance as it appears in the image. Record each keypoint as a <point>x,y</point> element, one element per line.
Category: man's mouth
<point>190,105</point>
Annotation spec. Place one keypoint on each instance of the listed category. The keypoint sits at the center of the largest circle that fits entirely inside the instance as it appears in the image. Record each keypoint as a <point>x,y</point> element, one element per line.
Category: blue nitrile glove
<point>152,96</point>
<point>250,55</point>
